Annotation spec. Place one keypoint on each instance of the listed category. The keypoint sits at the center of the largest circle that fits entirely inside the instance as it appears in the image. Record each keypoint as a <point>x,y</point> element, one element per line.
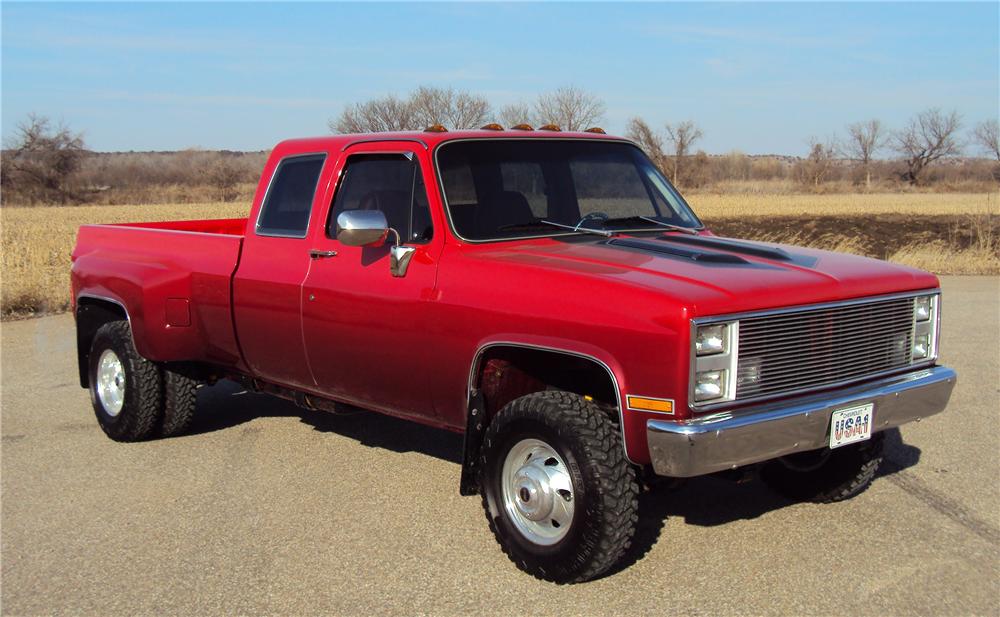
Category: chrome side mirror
<point>362,228</point>
<point>370,228</point>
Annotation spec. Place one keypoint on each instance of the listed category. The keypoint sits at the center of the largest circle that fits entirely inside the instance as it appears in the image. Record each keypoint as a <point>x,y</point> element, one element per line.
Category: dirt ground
<point>878,236</point>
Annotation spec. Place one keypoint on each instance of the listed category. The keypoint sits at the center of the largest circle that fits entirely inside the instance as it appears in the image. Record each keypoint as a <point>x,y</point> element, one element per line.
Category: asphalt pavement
<point>266,508</point>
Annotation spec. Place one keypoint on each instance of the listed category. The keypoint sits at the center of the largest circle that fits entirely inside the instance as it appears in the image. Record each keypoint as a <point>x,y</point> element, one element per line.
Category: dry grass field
<point>950,233</point>
<point>37,242</point>
<point>716,206</point>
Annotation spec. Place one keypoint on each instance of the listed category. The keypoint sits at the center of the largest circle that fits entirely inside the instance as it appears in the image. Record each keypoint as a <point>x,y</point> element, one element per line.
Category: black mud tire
<point>180,394</point>
<point>826,476</point>
<point>606,489</point>
<point>142,408</point>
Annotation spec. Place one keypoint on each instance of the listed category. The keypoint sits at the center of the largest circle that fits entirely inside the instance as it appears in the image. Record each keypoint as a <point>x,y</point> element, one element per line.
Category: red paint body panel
<point>345,328</point>
<point>366,333</point>
<point>141,267</point>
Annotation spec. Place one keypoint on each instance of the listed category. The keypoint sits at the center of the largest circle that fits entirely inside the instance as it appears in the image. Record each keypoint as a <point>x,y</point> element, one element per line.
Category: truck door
<point>365,330</point>
<point>273,264</point>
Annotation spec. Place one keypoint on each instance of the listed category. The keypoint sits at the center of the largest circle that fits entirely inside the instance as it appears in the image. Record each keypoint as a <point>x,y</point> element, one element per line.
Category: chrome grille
<point>794,351</point>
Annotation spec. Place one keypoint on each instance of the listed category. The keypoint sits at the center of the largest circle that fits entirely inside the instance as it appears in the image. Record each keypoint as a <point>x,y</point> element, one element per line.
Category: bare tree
<point>424,107</point>
<point>987,135</point>
<point>569,107</point>
<point>647,139</point>
<point>445,106</point>
<point>225,176</point>
<point>815,168</point>
<point>928,137</point>
<point>387,113</point>
<point>41,162</point>
<point>682,135</point>
<point>864,140</point>
<point>514,114</point>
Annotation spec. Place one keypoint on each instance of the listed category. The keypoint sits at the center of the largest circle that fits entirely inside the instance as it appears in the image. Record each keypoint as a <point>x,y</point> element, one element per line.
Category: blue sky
<point>761,78</point>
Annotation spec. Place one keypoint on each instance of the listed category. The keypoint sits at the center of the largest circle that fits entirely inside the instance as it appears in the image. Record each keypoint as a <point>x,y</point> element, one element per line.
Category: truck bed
<point>175,277</point>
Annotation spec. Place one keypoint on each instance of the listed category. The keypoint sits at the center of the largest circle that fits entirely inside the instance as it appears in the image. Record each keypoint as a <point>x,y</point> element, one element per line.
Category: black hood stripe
<point>734,246</point>
<point>662,248</point>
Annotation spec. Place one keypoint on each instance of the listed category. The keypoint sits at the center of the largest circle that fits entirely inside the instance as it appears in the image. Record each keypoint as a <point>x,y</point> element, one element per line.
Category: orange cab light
<point>435,128</point>
<point>550,127</point>
<point>596,129</point>
<point>492,126</point>
<point>522,127</point>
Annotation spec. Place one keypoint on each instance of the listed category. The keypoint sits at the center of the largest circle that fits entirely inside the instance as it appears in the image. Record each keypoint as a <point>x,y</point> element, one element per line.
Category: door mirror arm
<point>399,256</point>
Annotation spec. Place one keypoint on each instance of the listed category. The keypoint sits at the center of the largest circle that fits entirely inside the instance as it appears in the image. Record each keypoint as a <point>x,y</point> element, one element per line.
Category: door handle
<point>315,254</point>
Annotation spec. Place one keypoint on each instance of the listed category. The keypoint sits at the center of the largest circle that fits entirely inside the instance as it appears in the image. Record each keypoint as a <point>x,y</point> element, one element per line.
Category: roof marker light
<point>435,128</point>
<point>492,126</point>
<point>522,127</point>
<point>550,127</point>
<point>596,129</point>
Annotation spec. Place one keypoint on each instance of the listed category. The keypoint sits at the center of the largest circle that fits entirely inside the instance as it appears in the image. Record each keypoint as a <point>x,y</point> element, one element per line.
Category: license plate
<point>851,425</point>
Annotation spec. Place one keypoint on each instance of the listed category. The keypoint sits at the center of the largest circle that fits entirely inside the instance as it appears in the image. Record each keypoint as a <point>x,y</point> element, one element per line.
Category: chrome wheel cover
<point>111,382</point>
<point>537,492</point>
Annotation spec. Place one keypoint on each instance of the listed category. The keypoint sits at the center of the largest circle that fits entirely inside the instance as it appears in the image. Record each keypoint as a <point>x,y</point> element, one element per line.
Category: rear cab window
<point>289,199</point>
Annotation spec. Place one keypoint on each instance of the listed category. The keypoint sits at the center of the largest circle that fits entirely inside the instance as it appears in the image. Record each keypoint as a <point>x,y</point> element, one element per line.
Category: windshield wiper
<point>633,219</point>
<point>540,222</point>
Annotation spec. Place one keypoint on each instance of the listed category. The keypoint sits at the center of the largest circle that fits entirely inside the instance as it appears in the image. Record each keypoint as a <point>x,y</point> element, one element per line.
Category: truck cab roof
<point>430,139</point>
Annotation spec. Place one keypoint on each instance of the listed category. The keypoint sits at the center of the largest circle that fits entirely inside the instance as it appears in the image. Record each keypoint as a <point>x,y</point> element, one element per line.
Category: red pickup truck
<point>548,294</point>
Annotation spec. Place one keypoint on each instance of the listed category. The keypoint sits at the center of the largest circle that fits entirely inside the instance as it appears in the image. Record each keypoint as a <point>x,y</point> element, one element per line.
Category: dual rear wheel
<point>135,399</point>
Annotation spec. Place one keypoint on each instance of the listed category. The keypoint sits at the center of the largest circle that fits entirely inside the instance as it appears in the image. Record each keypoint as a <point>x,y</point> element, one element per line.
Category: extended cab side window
<point>286,207</point>
<point>391,183</point>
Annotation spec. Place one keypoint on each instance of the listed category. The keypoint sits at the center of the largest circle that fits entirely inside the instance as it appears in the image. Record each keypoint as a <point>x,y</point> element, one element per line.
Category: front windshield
<point>499,189</point>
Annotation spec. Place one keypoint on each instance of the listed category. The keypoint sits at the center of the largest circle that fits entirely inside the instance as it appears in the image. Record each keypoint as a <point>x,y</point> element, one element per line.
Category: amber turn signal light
<point>646,403</point>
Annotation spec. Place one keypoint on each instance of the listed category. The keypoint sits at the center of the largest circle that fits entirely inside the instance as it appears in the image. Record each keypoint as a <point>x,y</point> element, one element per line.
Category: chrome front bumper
<point>726,440</point>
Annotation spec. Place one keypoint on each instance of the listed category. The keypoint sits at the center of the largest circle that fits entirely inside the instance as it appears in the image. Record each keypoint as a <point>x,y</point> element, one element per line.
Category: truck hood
<point>712,275</point>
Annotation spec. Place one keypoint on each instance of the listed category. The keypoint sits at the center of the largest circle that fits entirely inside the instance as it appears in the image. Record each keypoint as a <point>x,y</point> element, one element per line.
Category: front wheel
<point>559,494</point>
<point>826,475</point>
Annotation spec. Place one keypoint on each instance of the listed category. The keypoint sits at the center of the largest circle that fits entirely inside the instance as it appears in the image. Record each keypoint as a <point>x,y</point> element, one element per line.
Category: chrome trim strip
<point>614,380</point>
<point>727,440</point>
<point>267,193</point>
<point>709,406</point>
<point>809,307</point>
<point>447,208</point>
<point>128,317</point>
<point>93,296</point>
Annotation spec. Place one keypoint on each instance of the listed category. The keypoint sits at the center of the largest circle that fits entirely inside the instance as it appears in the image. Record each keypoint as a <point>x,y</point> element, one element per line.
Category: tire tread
<point>180,394</point>
<point>615,481</point>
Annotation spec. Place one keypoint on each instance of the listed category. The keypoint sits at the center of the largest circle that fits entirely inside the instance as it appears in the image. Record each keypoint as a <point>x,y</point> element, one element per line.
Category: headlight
<point>714,350</point>
<point>709,385</point>
<point>925,328</point>
<point>710,339</point>
<point>922,308</point>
